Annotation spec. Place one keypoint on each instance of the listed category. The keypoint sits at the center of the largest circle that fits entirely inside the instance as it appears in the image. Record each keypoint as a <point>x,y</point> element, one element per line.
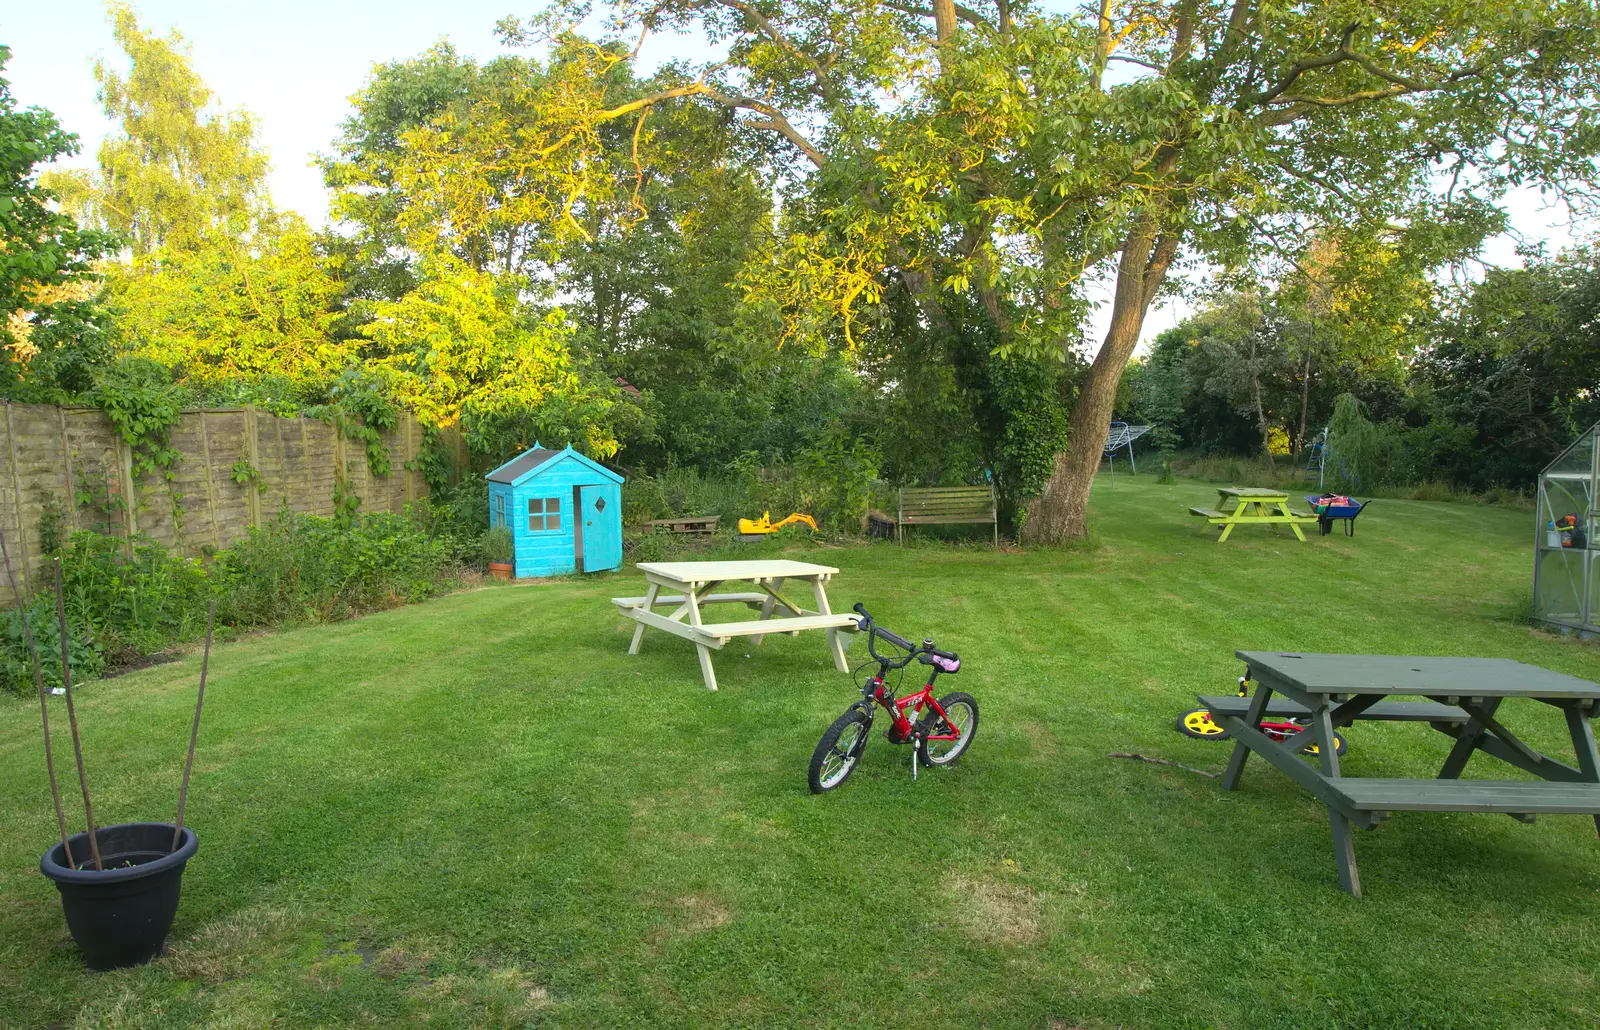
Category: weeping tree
<point>1016,156</point>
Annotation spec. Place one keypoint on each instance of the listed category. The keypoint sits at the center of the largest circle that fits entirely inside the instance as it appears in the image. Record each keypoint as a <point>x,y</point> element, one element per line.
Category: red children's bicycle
<point>939,730</point>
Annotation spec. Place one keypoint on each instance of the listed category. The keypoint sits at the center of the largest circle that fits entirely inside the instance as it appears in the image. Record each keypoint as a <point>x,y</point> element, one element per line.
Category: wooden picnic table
<point>695,581</point>
<point>1463,701</point>
<point>1265,508</point>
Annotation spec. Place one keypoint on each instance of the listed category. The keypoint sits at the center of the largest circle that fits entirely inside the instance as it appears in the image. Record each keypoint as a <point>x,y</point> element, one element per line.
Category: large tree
<point>1010,154</point>
<point>178,171</point>
<point>1512,376</point>
<point>45,275</point>
<point>217,284</point>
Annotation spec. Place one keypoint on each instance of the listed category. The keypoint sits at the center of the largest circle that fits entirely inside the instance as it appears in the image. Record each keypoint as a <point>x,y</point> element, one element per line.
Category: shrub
<point>643,499</point>
<point>16,665</point>
<point>498,545</point>
<point>458,516</point>
<point>1363,453</point>
<point>652,545</point>
<point>134,595</point>
<point>840,474</point>
<point>130,597</point>
<point>306,568</point>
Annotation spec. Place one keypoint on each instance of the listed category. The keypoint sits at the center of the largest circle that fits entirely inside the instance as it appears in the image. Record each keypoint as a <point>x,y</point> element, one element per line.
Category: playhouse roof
<point>530,461</point>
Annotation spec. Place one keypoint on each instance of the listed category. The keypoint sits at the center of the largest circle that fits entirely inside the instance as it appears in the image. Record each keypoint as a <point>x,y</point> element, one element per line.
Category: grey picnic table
<point>694,583</point>
<point>1463,699</point>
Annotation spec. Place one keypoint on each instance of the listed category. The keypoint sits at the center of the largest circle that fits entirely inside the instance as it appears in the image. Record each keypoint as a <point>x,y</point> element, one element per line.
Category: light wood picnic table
<point>1463,701</point>
<point>1267,508</point>
<point>697,579</point>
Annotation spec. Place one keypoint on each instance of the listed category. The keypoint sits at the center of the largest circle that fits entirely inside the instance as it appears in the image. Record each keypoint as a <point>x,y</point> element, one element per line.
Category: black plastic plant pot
<point>120,914</point>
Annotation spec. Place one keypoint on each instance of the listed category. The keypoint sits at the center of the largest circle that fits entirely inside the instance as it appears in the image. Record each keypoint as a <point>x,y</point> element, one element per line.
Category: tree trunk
<point>1061,511</point>
<point>1305,399</point>
<point>1261,411</point>
<point>944,25</point>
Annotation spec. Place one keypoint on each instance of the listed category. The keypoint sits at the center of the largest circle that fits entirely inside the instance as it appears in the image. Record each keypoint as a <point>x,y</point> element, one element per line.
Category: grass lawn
<point>480,811</point>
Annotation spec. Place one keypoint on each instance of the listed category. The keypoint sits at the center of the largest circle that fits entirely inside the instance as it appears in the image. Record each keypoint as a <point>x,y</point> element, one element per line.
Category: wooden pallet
<point>699,525</point>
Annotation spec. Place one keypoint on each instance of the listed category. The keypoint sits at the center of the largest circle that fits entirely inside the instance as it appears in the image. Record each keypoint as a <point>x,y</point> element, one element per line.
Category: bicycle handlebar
<point>875,630</point>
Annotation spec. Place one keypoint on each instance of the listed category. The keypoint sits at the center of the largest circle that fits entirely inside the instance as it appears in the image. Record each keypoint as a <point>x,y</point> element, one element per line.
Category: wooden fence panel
<point>225,437</point>
<point>74,461</point>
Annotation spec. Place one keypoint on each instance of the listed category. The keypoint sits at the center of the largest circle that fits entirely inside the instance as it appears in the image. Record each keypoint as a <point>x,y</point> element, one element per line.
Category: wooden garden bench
<point>947,505</point>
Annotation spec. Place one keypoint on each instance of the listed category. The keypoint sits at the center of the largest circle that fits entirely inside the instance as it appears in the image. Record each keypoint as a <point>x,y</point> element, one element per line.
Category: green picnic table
<point>1463,699</point>
<point>1251,505</point>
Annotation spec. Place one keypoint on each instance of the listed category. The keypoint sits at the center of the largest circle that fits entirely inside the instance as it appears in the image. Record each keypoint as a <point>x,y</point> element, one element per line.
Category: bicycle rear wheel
<point>838,751</point>
<point>961,715</point>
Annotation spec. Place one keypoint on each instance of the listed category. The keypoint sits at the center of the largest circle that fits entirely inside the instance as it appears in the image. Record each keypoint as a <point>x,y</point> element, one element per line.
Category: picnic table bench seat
<point>755,600</point>
<point>1387,711</point>
<point>717,634</point>
<point>1210,513</point>
<point>1512,797</point>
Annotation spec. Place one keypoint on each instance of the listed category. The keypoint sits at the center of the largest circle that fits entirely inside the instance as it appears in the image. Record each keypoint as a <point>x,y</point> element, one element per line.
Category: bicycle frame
<point>905,709</point>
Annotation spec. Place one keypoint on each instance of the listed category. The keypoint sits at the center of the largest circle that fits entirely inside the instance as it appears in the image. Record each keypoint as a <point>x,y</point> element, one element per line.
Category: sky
<point>294,64</point>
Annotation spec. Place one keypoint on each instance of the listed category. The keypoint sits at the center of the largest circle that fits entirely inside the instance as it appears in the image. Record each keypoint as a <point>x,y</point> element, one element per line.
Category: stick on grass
<point>194,730</point>
<point>72,720</point>
<point>1160,761</point>
<point>44,706</point>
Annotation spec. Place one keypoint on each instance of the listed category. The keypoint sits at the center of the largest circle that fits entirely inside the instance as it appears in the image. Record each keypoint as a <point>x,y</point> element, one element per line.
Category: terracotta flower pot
<point>500,570</point>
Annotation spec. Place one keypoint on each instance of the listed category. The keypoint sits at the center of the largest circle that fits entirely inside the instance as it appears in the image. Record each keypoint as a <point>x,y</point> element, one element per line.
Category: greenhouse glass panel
<point>1579,458</point>
<point>1560,596</point>
<point>1566,575</point>
<point>1563,497</point>
<point>1592,613</point>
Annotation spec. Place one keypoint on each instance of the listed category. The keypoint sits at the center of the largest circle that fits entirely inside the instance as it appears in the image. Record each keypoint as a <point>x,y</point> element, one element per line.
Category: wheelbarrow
<point>1345,510</point>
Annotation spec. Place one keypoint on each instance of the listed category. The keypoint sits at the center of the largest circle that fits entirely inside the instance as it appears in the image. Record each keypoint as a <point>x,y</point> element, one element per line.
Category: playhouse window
<point>499,510</point>
<point>544,514</point>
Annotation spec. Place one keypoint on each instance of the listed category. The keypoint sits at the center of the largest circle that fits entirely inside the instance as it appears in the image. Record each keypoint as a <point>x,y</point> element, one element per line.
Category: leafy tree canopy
<point>46,280</point>
<point>178,173</point>
<point>939,150</point>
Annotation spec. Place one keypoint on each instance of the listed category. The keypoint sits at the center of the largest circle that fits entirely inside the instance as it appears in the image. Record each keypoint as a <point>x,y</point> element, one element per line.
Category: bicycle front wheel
<point>961,716</point>
<point>838,751</point>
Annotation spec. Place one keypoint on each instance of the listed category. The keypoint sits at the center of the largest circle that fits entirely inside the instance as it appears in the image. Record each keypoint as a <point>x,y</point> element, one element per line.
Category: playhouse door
<point>600,527</point>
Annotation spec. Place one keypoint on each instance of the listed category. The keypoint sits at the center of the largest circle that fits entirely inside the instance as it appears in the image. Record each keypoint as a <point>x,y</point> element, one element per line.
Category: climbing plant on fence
<point>360,411</point>
<point>144,404</point>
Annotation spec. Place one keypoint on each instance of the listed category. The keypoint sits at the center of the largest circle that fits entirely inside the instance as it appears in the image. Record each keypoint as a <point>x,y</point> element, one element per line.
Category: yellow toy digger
<point>765,525</point>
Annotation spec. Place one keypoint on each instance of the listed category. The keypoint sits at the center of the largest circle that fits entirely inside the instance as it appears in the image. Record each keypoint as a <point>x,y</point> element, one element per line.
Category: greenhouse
<point>1566,568</point>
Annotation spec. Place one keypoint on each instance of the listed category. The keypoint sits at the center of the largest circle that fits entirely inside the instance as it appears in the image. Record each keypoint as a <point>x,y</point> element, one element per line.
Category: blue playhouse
<point>564,510</point>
